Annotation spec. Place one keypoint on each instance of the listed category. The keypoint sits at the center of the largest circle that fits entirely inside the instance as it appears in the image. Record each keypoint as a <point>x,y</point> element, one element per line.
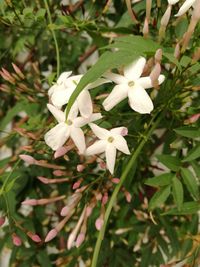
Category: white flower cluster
<point>130,85</point>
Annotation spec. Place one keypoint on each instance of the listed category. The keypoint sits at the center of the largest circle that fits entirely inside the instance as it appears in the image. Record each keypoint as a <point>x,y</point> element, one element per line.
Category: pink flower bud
<point>124,131</point>
<point>60,152</point>
<point>99,223</point>
<point>177,51</point>
<point>80,239</point>
<point>98,196</point>
<point>77,184</point>
<point>44,180</point>
<point>154,75</point>
<point>104,199</point>
<point>128,196</point>
<point>58,173</point>
<point>115,180</point>
<point>102,164</point>
<point>89,211</point>
<point>16,240</point>
<point>65,211</point>
<point>34,237</point>
<point>158,55</point>
<point>28,159</point>
<point>53,233</point>
<point>2,220</point>
<point>18,71</point>
<point>145,30</point>
<point>80,167</point>
<point>31,202</point>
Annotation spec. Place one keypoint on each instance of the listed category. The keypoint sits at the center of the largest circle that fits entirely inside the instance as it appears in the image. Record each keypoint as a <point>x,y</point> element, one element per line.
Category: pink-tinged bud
<point>177,51</point>
<point>6,75</point>
<point>154,75</point>
<point>18,71</point>
<point>30,202</point>
<point>80,167</point>
<point>72,201</point>
<point>128,196</point>
<point>2,220</point>
<point>124,131</point>
<point>192,119</point>
<point>58,173</point>
<point>60,152</point>
<point>158,55</point>
<point>16,240</point>
<point>89,211</point>
<point>34,237</point>
<point>45,180</point>
<point>99,223</point>
<point>77,184</point>
<point>165,18</point>
<point>80,239</point>
<point>196,10</point>
<point>104,199</point>
<point>196,55</point>
<point>53,233</point>
<point>28,159</point>
<point>145,30</point>
<point>115,180</point>
<point>102,165</point>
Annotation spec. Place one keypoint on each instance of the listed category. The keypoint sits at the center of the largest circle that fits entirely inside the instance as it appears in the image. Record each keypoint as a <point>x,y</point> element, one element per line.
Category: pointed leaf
<point>190,182</point>
<point>171,162</point>
<point>194,153</point>
<point>177,191</point>
<point>188,131</point>
<point>159,197</point>
<point>161,180</point>
<point>187,208</point>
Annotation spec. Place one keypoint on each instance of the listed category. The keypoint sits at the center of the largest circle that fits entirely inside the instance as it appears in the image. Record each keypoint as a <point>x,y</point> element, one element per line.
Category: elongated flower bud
<point>72,201</point>
<point>45,180</point>
<point>158,55</point>
<point>145,30</point>
<point>165,18</point>
<point>28,159</point>
<point>16,240</point>
<point>34,237</point>
<point>80,239</point>
<point>18,71</point>
<point>2,221</point>
<point>42,201</point>
<point>99,223</point>
<point>60,152</point>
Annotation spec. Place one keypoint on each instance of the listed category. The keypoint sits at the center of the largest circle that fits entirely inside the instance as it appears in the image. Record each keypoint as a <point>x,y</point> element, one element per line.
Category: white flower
<point>61,92</point>
<point>58,135</point>
<point>186,6</point>
<point>132,86</point>
<point>109,142</point>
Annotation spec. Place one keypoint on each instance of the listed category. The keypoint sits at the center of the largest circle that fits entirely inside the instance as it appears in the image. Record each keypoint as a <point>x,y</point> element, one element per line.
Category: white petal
<point>95,117</point>
<point>119,93</point>
<point>63,76</point>
<point>78,137</point>
<point>61,96</point>
<point>121,144</point>
<point>73,81</point>
<point>116,78</point>
<point>84,102</point>
<point>97,148</point>
<point>146,83</point>
<point>139,100</point>
<point>97,83</point>
<point>172,2</point>
<point>57,136</point>
<point>57,113</point>
<point>184,8</point>
<point>134,70</point>
<point>101,133</point>
<point>52,89</point>
<point>110,157</point>
<point>119,130</point>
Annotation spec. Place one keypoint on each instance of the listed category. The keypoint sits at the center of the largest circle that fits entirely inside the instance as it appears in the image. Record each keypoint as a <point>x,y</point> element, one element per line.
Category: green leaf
<point>187,208</point>
<point>172,59</point>
<point>171,162</point>
<point>194,153</point>
<point>190,182</point>
<point>177,191</point>
<point>188,131</point>
<point>196,168</point>
<point>161,180</point>
<point>159,197</point>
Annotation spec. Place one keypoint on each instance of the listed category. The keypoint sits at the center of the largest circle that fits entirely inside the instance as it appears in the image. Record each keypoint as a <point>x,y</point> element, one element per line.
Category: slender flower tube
<point>133,86</point>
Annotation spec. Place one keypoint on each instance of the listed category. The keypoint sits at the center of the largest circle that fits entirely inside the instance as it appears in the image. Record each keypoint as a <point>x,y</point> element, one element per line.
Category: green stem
<point>54,38</point>
<point>135,154</point>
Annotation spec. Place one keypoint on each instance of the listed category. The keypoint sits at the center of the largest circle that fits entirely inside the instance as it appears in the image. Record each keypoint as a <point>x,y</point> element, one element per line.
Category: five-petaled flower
<point>133,86</point>
<point>110,142</point>
<point>61,92</point>
<point>58,135</point>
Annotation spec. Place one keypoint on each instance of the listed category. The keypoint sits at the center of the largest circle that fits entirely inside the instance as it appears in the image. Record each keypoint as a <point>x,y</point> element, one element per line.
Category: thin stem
<point>135,154</point>
<point>54,38</point>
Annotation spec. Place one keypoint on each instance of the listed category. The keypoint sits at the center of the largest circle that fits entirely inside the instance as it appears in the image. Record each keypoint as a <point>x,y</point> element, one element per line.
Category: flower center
<point>69,122</point>
<point>110,139</point>
<point>131,83</point>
